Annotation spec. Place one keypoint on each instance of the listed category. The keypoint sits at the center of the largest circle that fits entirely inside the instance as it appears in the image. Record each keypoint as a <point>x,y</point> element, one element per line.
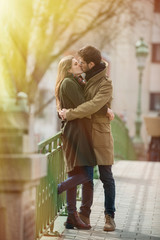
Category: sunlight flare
<point>4,5</point>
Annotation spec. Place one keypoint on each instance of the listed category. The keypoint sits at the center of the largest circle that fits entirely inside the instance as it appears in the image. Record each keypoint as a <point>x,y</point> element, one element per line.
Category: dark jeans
<point>80,175</point>
<point>107,179</point>
<point>109,192</point>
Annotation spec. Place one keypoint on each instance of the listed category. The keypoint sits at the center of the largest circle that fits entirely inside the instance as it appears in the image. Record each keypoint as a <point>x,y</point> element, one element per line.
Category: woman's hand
<point>62,113</point>
<point>110,114</point>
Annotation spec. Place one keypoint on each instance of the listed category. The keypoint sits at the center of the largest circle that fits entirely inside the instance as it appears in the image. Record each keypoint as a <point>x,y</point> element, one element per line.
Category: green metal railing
<point>123,146</point>
<point>49,204</point>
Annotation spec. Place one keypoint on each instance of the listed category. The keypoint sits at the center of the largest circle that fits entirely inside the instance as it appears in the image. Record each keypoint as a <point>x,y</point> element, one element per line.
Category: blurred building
<point>46,121</point>
<point>122,69</point>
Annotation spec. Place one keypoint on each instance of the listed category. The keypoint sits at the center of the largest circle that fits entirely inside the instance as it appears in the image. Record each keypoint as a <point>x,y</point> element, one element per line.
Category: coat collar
<point>95,70</point>
<point>98,75</point>
<point>96,78</point>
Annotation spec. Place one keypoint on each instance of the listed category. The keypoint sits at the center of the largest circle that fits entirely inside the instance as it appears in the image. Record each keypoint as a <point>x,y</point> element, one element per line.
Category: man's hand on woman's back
<point>110,114</point>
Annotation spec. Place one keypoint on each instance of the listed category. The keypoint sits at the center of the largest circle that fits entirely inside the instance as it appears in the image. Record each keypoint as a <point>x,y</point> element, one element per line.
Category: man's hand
<point>110,114</point>
<point>62,113</point>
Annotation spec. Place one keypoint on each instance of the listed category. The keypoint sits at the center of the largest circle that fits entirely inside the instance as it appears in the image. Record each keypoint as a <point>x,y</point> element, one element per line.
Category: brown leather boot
<point>109,224</point>
<point>85,219</point>
<point>73,220</point>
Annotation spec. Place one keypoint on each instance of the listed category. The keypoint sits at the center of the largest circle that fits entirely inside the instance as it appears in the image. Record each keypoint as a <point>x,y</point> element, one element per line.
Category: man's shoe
<point>109,224</point>
<point>85,219</point>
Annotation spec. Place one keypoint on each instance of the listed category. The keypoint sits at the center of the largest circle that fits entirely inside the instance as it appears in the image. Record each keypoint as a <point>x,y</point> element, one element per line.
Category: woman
<point>77,140</point>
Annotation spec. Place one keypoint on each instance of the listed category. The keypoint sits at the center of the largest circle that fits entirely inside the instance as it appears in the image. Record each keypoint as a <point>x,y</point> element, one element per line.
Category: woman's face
<point>76,68</point>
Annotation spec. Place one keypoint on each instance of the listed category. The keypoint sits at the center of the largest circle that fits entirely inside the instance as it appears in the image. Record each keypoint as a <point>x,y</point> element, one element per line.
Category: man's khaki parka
<point>98,92</point>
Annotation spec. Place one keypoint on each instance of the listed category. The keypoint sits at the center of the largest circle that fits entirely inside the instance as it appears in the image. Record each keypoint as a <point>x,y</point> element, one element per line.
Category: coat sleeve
<point>103,95</point>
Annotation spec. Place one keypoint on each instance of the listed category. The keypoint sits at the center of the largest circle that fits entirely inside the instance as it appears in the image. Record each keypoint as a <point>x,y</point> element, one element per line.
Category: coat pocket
<point>101,134</point>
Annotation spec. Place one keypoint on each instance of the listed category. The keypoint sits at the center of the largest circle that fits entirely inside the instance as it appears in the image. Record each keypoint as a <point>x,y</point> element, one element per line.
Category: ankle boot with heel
<point>73,220</point>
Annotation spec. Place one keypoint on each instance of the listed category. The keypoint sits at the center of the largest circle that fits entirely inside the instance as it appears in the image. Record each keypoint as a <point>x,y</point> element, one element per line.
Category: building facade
<point>125,74</point>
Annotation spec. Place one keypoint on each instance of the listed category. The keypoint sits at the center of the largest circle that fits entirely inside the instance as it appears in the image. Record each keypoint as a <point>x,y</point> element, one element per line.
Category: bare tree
<point>37,32</point>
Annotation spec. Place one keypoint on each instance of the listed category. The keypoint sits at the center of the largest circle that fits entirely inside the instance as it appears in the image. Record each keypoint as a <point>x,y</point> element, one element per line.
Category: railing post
<point>20,172</point>
<point>19,176</point>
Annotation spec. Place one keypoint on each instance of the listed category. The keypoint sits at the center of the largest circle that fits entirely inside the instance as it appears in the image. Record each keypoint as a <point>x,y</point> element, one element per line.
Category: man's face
<point>84,65</point>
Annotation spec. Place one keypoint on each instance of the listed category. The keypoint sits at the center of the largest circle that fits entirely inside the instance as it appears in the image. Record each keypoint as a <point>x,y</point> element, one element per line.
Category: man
<point>98,93</point>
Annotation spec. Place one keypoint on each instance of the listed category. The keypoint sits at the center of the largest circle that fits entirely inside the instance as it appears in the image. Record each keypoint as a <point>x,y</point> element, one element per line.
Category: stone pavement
<point>137,205</point>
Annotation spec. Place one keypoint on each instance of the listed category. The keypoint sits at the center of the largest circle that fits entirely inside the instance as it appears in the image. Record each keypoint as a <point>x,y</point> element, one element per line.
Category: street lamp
<point>141,54</point>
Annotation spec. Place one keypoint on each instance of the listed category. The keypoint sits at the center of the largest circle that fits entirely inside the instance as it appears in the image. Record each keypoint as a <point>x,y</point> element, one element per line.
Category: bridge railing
<point>123,145</point>
<point>49,204</point>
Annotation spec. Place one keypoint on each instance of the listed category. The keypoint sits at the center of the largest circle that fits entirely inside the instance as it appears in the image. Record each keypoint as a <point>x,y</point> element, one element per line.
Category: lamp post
<point>141,55</point>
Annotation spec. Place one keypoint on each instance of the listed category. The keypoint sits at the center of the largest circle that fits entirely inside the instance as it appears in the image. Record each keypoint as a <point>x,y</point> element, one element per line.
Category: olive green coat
<point>76,134</point>
<point>98,92</point>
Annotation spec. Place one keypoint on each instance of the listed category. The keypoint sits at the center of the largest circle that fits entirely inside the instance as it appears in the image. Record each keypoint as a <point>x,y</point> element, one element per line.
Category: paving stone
<point>67,237</point>
<point>155,238</point>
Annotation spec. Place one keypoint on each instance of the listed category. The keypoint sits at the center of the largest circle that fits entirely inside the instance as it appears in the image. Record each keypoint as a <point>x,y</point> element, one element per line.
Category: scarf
<point>96,69</point>
<point>80,79</point>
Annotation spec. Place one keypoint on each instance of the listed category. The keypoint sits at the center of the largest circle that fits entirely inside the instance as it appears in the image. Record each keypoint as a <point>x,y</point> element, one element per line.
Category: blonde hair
<point>64,65</point>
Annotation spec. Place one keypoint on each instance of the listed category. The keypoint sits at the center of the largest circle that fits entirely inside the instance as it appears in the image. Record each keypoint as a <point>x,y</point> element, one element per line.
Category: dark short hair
<point>90,54</point>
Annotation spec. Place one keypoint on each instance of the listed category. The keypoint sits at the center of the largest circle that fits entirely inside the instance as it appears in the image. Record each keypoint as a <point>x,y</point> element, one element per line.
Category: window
<point>155,102</point>
<point>157,6</point>
<point>156,52</point>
